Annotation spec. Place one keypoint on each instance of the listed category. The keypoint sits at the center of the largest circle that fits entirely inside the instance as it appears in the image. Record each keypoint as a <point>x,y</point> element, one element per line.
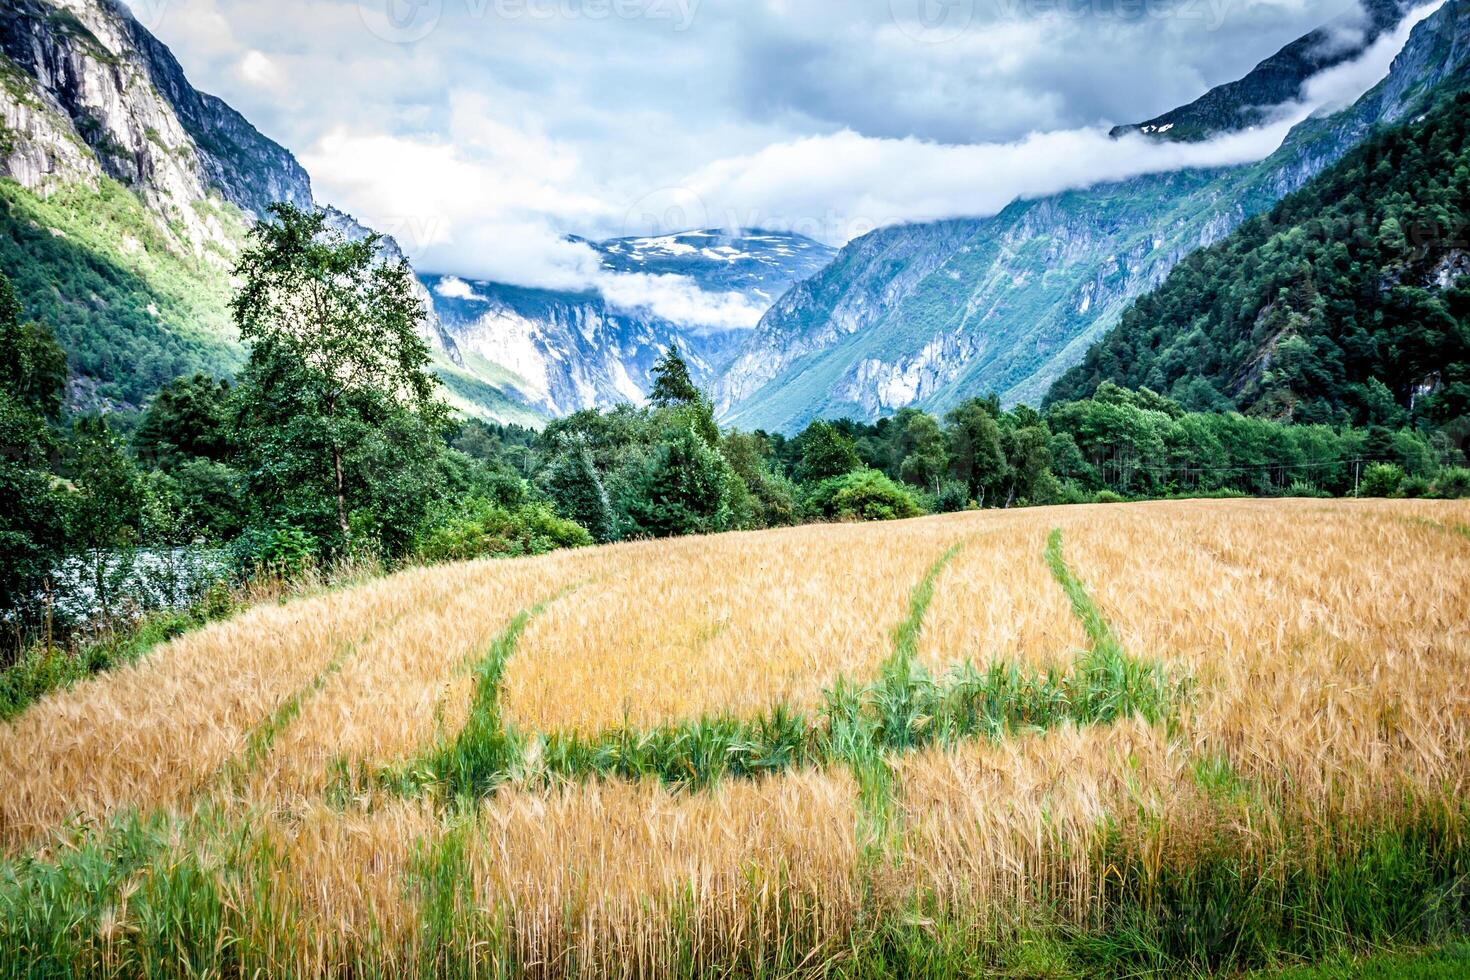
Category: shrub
<point>1108,497</point>
<point>1302,488</point>
<point>953,496</point>
<point>1415,486</point>
<point>775,499</point>
<point>866,495</point>
<point>478,528</point>
<point>1072,492</point>
<point>1381,480</point>
<point>283,549</point>
<point>1452,482</point>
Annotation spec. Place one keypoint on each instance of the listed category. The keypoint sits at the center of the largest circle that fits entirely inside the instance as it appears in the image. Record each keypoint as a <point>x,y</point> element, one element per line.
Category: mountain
<point>125,198</point>
<point>564,351</point>
<point>929,314</point>
<point>1276,81</point>
<point>1348,303</point>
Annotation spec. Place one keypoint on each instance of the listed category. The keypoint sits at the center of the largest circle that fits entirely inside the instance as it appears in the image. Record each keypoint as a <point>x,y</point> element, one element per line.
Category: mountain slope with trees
<point>1347,303</point>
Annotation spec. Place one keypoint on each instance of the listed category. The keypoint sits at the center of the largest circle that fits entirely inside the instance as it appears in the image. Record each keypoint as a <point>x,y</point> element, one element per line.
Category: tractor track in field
<point>859,726</point>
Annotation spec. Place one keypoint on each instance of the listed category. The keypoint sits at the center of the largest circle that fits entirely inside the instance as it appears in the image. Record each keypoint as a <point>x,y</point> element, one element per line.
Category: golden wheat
<point>1324,646</point>
<point>730,624</point>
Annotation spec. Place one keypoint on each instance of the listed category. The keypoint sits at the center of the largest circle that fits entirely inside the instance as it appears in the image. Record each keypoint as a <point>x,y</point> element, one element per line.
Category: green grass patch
<point>484,752</point>
<point>1451,962</point>
<point>146,895</point>
<point>260,739</point>
<point>1229,907</point>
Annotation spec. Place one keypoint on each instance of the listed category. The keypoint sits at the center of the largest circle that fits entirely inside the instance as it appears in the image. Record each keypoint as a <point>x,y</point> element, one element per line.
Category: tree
<point>1028,463</point>
<point>822,452</point>
<point>682,488</point>
<point>190,418</point>
<point>33,365</point>
<point>340,423</point>
<point>577,491</point>
<point>105,510</point>
<point>771,497</point>
<point>187,436</point>
<point>672,384</point>
<point>32,529</point>
<point>925,457</point>
<point>976,455</point>
<point>210,497</point>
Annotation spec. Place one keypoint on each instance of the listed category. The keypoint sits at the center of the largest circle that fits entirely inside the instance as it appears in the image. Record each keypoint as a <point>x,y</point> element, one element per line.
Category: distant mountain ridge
<point>1276,81</point>
<point>562,351</point>
<point>929,314</point>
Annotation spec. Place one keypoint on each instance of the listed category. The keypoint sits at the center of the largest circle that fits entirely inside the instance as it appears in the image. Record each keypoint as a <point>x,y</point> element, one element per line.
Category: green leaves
<point>340,428</point>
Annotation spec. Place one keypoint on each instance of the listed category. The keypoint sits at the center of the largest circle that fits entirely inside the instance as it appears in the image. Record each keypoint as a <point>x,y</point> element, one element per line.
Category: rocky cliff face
<point>931,314</point>
<point>864,282</point>
<point>90,92</point>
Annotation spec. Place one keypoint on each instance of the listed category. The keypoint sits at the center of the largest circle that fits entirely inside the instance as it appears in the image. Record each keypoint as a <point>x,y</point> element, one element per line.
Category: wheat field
<point>999,735</point>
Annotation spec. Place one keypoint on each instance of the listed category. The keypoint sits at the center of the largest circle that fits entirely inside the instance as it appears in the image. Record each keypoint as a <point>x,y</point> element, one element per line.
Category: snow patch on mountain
<point>593,347</point>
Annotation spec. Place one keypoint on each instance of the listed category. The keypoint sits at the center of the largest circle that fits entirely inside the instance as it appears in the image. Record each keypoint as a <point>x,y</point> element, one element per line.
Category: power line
<point>1247,467</point>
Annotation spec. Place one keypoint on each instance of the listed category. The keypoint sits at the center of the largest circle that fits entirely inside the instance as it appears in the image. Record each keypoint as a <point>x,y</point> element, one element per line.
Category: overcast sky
<point>480,132</point>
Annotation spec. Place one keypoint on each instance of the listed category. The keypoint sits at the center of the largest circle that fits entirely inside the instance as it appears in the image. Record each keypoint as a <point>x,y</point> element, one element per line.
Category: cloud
<point>838,186</point>
<point>260,71</point>
<point>679,300</point>
<point>1343,84</point>
<point>453,287</point>
<point>483,144</point>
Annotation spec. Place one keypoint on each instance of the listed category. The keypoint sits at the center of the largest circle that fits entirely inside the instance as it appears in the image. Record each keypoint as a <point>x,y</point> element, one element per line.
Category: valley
<point>567,351</point>
<point>1061,573</point>
<point>916,315</point>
